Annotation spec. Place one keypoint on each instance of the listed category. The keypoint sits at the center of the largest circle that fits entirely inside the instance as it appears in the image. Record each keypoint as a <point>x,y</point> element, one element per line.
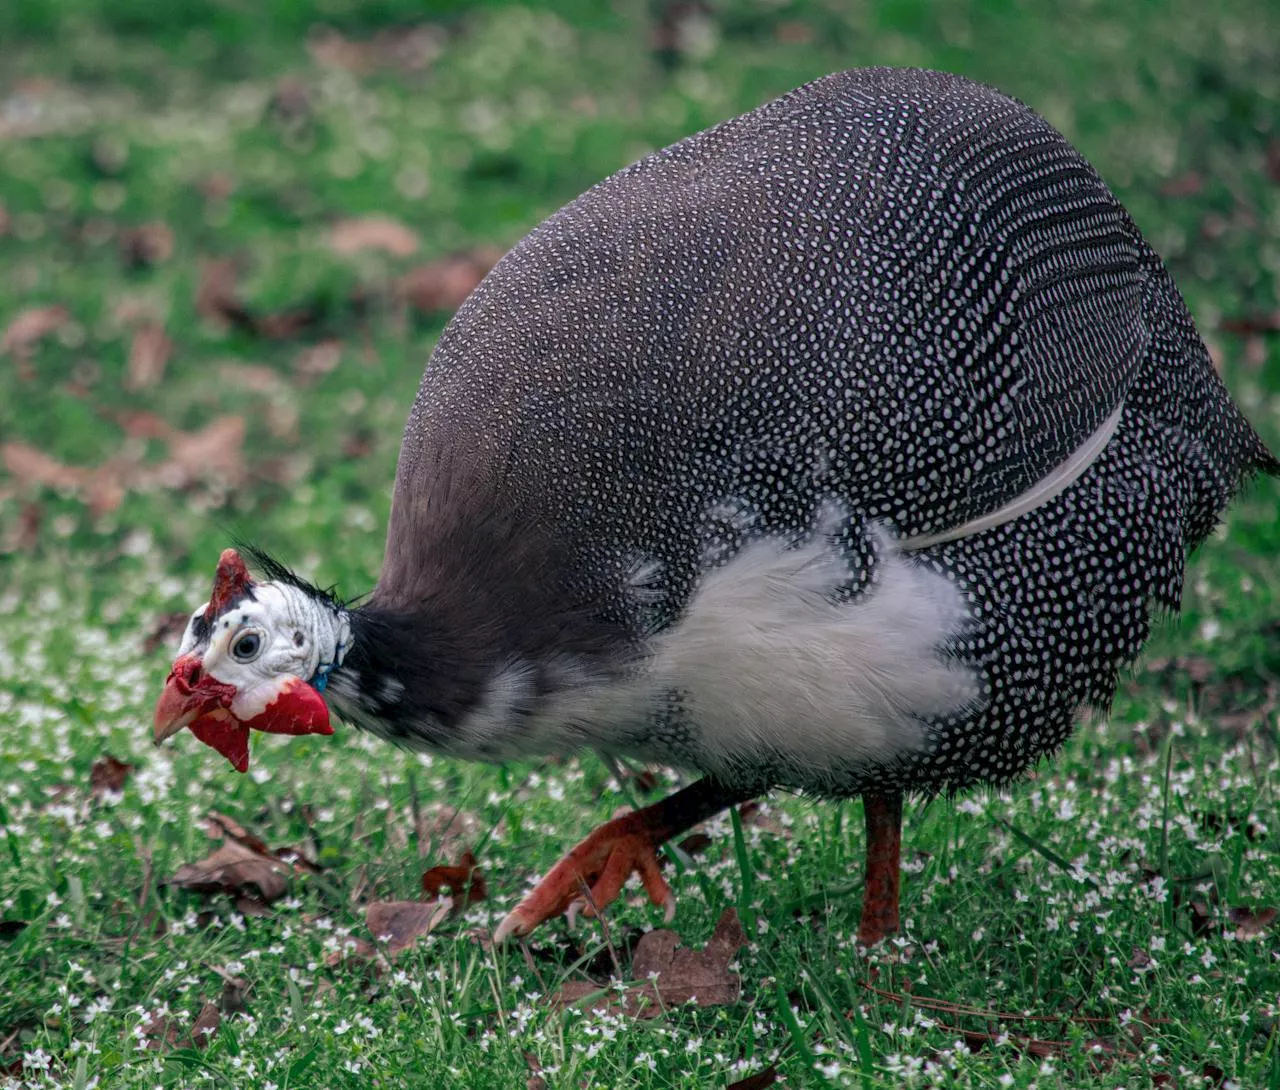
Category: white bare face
<point>280,632</point>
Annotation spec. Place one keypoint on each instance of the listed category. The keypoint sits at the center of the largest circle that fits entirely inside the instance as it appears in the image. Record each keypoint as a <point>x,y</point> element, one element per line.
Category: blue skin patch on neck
<point>321,677</point>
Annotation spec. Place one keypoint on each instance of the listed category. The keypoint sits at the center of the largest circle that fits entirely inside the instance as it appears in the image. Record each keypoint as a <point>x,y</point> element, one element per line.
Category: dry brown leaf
<point>30,326</point>
<point>234,990</point>
<point>216,187</point>
<point>218,296</point>
<point>24,533</point>
<point>353,236</point>
<point>161,1032</point>
<point>4,219</point>
<point>401,923</point>
<point>167,628</point>
<point>317,360</point>
<point>217,826</point>
<point>205,1025</point>
<point>242,866</point>
<point>442,285</point>
<point>108,774</point>
<point>148,357</point>
<point>212,453</point>
<point>102,487</point>
<point>1267,321</point>
<point>758,1081</point>
<point>410,48</point>
<point>165,1031</point>
<point>1185,185</point>
<point>281,408</point>
<point>146,245</point>
<point>34,466</point>
<point>1201,917</point>
<point>464,882</point>
<point>670,975</point>
<point>683,974</point>
<point>237,869</point>
<point>1251,922</point>
<point>444,830</point>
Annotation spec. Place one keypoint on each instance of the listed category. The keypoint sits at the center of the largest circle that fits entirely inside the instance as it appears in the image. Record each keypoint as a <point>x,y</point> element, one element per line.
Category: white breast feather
<point>773,671</point>
<point>772,667</point>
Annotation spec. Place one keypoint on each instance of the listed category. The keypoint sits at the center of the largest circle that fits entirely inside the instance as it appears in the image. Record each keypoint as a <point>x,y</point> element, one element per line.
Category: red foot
<point>603,862</point>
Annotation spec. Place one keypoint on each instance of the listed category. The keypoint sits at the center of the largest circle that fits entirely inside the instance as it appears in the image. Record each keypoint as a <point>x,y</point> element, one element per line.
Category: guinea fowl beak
<point>188,694</point>
<point>194,699</point>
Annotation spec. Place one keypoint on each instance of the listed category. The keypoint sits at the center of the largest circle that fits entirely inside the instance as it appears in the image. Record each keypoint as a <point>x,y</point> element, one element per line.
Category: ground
<point>229,235</point>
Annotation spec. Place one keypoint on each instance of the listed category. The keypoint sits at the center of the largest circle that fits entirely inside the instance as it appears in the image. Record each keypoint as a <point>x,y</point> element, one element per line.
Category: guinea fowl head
<point>255,656</point>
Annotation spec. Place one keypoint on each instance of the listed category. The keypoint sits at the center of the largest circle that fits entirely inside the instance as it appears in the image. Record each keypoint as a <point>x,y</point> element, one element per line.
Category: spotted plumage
<point>897,290</point>
<point>846,446</point>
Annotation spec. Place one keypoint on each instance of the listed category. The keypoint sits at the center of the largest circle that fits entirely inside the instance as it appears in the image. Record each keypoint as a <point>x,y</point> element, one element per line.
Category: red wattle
<point>298,709</point>
<point>228,736</point>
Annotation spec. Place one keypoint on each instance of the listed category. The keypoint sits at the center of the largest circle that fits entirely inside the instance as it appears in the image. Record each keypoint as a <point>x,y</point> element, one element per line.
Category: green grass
<point>115,115</point>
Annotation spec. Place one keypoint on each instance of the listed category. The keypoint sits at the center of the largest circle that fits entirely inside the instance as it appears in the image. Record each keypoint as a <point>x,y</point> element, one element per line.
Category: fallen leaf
<point>166,628</point>
<point>287,323</point>
<point>1201,917</point>
<point>212,453</point>
<point>291,102</point>
<point>146,245</point>
<point>101,487</point>
<point>360,950</point>
<point>148,357</point>
<point>535,1080</point>
<point>28,464</point>
<point>161,1031</point>
<point>164,1031</point>
<point>353,236</point>
<point>701,975</point>
<point>758,1081</point>
<point>442,285</point>
<point>444,830</point>
<point>234,990</point>
<point>464,882</point>
<point>4,219</point>
<point>400,924</point>
<point>669,975</point>
<point>108,774</point>
<point>24,533</point>
<point>317,360</point>
<point>1140,959</point>
<point>243,866</point>
<point>410,48</point>
<point>31,326</point>
<point>1185,185</point>
<point>695,843</point>
<point>216,187</point>
<point>205,1025</point>
<point>1250,922</point>
<point>218,295</point>
<point>218,300</point>
<point>237,869</point>
<point>1248,324</point>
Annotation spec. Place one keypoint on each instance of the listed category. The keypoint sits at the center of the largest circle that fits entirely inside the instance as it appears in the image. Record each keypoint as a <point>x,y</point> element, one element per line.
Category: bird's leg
<point>883,815</point>
<point>627,844</point>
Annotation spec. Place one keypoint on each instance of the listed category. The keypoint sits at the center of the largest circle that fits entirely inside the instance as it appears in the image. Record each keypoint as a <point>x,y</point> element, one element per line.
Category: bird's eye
<point>246,646</point>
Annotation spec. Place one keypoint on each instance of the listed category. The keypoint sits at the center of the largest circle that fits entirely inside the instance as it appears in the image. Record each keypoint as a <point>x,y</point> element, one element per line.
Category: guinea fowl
<point>844,447</point>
